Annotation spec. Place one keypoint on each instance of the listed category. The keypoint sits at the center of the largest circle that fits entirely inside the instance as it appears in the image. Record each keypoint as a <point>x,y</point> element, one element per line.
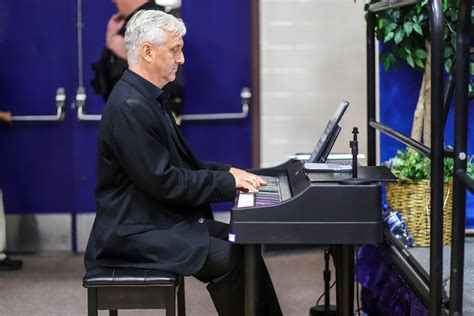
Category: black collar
<point>147,88</point>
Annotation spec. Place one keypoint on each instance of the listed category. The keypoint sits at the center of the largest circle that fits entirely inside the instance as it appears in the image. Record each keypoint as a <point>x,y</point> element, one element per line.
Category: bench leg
<point>170,301</point>
<point>92,302</point>
<point>181,299</point>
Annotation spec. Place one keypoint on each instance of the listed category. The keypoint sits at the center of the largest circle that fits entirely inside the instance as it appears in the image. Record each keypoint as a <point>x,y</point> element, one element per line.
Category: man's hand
<point>115,24</point>
<point>6,117</point>
<point>246,181</point>
<point>114,41</point>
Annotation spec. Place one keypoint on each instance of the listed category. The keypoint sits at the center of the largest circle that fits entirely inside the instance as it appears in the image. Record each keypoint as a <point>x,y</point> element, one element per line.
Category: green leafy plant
<point>405,32</point>
<point>409,165</point>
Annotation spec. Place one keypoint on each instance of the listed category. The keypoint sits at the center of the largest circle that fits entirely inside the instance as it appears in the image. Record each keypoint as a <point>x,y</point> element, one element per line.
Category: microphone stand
<point>354,144</point>
<point>326,309</point>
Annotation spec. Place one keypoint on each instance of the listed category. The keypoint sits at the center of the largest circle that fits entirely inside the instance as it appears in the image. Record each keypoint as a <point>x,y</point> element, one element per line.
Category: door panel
<point>35,159</point>
<point>217,52</point>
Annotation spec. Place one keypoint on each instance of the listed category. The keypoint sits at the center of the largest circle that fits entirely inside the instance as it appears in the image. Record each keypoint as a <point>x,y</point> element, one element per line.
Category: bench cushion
<point>109,277</point>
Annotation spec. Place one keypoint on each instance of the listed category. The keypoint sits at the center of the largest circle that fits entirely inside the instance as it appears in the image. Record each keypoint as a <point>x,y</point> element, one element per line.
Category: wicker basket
<point>412,202</point>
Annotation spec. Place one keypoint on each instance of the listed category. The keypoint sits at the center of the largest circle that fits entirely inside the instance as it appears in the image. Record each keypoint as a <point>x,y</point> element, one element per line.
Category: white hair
<point>150,26</point>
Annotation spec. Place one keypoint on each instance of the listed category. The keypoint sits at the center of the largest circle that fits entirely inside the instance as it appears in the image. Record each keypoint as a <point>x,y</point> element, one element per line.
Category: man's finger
<point>250,187</point>
<point>253,181</point>
<point>261,181</point>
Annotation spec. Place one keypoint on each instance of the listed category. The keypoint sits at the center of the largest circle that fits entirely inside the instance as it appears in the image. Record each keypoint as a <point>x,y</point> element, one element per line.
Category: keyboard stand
<point>343,261</point>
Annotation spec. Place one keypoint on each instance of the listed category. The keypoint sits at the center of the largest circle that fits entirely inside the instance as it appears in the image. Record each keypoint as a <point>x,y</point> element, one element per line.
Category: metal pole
<point>468,183</point>
<point>437,141</point>
<point>253,270</point>
<point>460,147</point>
<point>448,93</point>
<point>416,145</point>
<point>344,280</point>
<point>80,25</point>
<point>371,136</point>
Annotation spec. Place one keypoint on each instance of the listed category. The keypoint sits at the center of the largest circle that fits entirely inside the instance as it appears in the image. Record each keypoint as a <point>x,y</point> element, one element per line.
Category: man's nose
<point>180,59</point>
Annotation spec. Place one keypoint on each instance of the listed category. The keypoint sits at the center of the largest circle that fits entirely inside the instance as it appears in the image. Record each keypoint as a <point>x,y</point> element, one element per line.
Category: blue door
<point>47,168</point>
<point>36,172</point>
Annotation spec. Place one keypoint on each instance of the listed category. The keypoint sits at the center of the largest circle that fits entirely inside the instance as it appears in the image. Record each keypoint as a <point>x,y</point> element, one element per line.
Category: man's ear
<point>146,52</point>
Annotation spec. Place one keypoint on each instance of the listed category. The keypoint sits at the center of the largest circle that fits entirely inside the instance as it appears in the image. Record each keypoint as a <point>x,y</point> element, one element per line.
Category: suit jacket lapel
<point>177,136</point>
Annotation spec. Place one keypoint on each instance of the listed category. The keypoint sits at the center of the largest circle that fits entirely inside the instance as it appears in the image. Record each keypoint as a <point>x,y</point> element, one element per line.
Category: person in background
<point>113,62</point>
<point>6,263</point>
<point>153,193</point>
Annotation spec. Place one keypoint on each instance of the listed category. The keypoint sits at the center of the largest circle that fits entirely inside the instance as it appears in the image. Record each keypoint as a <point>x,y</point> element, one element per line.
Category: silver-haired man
<point>153,195</point>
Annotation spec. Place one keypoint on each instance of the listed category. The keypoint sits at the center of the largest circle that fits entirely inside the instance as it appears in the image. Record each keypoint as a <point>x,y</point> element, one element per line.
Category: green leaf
<point>445,5</point>
<point>388,60</point>
<point>420,63</point>
<point>420,18</point>
<point>399,36</point>
<point>388,37</point>
<point>418,29</point>
<point>453,40</point>
<point>445,33</point>
<point>410,61</point>
<point>381,23</point>
<point>421,53</point>
<point>391,27</point>
<point>408,27</point>
<point>418,8</point>
<point>396,14</point>
<point>448,51</point>
<point>447,65</point>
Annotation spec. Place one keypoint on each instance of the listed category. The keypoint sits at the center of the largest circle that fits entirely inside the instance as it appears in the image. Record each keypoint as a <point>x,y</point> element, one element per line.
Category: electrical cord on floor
<point>322,295</point>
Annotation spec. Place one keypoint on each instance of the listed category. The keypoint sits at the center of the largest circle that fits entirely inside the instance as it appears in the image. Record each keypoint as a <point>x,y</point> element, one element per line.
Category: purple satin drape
<point>384,291</point>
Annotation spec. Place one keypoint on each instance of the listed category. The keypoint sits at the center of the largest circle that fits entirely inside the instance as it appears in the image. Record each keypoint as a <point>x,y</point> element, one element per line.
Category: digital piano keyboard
<point>301,207</point>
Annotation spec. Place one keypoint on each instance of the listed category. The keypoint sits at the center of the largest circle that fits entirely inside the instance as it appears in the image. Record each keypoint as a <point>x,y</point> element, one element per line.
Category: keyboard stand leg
<point>253,285</point>
<point>344,258</point>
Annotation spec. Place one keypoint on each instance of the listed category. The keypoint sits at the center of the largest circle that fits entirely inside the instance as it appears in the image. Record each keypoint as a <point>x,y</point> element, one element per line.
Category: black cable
<point>322,295</point>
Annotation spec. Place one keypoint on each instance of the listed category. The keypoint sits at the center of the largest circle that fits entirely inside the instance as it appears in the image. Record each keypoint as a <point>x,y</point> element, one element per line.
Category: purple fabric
<point>384,291</point>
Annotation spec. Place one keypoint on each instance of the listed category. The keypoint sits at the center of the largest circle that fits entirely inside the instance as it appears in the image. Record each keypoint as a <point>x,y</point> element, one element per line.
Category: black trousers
<point>224,273</point>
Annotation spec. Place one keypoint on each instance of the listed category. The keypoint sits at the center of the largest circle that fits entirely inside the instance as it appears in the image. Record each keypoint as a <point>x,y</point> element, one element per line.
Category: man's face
<point>167,58</point>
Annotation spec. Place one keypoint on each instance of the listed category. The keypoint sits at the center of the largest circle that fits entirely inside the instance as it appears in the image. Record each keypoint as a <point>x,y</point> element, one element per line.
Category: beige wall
<point>312,56</point>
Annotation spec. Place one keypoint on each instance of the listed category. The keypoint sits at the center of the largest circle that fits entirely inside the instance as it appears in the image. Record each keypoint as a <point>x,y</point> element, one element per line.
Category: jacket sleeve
<point>214,166</point>
<point>147,163</point>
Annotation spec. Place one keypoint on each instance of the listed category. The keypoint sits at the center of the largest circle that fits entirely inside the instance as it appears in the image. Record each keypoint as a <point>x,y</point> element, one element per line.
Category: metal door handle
<point>81,98</point>
<point>60,102</point>
<point>245,96</point>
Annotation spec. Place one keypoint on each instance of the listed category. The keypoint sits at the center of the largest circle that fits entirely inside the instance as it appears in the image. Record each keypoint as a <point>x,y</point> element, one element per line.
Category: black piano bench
<point>127,288</point>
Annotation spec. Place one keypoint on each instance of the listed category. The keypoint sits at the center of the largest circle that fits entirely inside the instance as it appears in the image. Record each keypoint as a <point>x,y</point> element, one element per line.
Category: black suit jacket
<point>152,193</point>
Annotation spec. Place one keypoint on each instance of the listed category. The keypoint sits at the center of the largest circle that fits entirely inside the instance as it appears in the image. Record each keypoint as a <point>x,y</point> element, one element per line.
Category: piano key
<point>246,200</point>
